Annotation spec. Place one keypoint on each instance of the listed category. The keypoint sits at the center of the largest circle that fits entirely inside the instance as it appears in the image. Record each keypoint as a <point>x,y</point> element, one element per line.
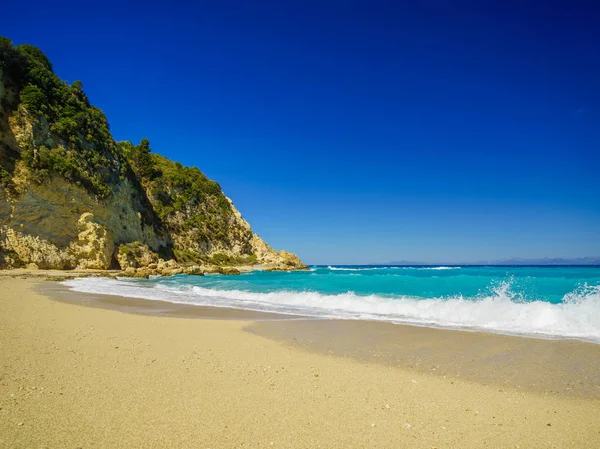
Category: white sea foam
<point>426,268</point>
<point>355,269</point>
<point>334,268</point>
<point>439,268</point>
<point>578,316</point>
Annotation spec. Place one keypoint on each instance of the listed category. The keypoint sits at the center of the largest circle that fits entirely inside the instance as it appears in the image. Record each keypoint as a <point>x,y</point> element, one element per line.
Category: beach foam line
<point>577,316</point>
<point>334,268</point>
<point>439,268</point>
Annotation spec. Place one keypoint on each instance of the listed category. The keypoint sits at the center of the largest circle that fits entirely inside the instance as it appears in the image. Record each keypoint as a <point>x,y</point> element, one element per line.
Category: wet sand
<point>74,376</point>
<point>547,366</point>
<point>59,292</point>
<point>556,367</point>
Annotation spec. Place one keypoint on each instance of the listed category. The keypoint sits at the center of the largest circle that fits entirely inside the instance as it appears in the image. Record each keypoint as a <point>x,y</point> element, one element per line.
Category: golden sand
<point>550,367</point>
<point>74,376</point>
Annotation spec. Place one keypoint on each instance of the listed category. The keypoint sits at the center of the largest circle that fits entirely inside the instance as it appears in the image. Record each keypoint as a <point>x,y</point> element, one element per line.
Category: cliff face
<point>71,197</point>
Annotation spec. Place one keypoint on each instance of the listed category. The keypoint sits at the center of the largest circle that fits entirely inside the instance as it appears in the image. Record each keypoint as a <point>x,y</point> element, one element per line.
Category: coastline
<point>558,366</point>
<point>92,377</point>
<point>142,272</point>
<point>562,367</point>
<point>139,306</point>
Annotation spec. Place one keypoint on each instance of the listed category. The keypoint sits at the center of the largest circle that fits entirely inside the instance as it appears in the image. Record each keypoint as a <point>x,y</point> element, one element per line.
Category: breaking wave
<point>501,310</point>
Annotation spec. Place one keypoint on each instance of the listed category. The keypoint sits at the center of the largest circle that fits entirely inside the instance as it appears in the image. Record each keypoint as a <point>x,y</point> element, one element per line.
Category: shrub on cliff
<point>90,157</point>
<point>71,139</point>
<point>226,259</point>
<point>182,196</point>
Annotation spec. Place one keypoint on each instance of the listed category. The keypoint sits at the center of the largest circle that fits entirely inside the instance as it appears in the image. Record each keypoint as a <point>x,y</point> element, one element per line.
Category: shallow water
<point>539,301</point>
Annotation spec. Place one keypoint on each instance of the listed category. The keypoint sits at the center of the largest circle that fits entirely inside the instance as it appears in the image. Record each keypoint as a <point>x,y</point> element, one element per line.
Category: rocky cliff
<point>72,197</point>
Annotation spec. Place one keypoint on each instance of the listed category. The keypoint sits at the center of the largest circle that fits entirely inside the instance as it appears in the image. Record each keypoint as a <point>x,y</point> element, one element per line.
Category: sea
<point>538,301</point>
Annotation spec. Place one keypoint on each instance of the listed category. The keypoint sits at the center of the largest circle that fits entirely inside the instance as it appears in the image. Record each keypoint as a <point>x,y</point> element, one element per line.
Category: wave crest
<point>577,316</point>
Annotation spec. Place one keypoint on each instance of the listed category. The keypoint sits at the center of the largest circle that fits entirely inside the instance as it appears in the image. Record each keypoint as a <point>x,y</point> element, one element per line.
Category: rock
<point>136,255</point>
<point>291,260</point>
<point>32,266</point>
<point>162,264</point>
<point>228,270</point>
<point>102,214</point>
<point>171,271</point>
<point>275,261</point>
<point>20,249</point>
<point>279,268</point>
<point>194,270</point>
<point>94,246</point>
<point>142,273</point>
<point>58,225</point>
<point>264,253</point>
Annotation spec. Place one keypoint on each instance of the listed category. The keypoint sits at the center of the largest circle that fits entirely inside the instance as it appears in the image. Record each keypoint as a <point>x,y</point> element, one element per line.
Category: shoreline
<point>142,272</point>
<point>542,365</point>
<point>545,366</point>
<point>75,376</point>
<point>140,304</point>
<point>151,307</point>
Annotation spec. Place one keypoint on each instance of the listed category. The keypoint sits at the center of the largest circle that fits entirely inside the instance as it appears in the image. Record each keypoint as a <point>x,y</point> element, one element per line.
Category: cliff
<point>72,197</point>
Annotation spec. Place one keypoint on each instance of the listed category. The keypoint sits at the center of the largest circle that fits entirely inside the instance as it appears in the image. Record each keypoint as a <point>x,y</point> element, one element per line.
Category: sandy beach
<point>73,376</point>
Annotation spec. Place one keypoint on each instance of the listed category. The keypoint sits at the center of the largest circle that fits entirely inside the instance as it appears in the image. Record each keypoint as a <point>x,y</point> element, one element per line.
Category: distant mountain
<point>405,262</point>
<point>549,261</point>
<point>513,261</point>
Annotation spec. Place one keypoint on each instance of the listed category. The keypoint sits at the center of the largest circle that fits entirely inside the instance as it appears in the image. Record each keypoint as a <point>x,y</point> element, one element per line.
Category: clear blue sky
<point>358,132</point>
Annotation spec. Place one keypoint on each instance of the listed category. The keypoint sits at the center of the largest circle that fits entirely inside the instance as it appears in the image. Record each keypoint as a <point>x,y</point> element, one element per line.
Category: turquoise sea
<point>534,300</point>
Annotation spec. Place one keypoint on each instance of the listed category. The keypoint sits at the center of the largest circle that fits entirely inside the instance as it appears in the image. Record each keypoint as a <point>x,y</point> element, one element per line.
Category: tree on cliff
<point>142,159</point>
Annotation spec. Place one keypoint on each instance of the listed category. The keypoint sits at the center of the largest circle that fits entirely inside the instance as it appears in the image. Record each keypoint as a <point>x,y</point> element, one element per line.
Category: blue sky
<point>358,132</point>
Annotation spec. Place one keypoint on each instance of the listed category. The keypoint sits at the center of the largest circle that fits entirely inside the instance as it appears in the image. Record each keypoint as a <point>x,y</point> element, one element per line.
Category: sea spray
<point>548,302</point>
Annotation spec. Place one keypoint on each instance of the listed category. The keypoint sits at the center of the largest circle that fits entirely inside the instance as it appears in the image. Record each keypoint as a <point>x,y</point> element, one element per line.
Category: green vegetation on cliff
<point>59,164</point>
<point>86,153</point>
<point>189,202</point>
